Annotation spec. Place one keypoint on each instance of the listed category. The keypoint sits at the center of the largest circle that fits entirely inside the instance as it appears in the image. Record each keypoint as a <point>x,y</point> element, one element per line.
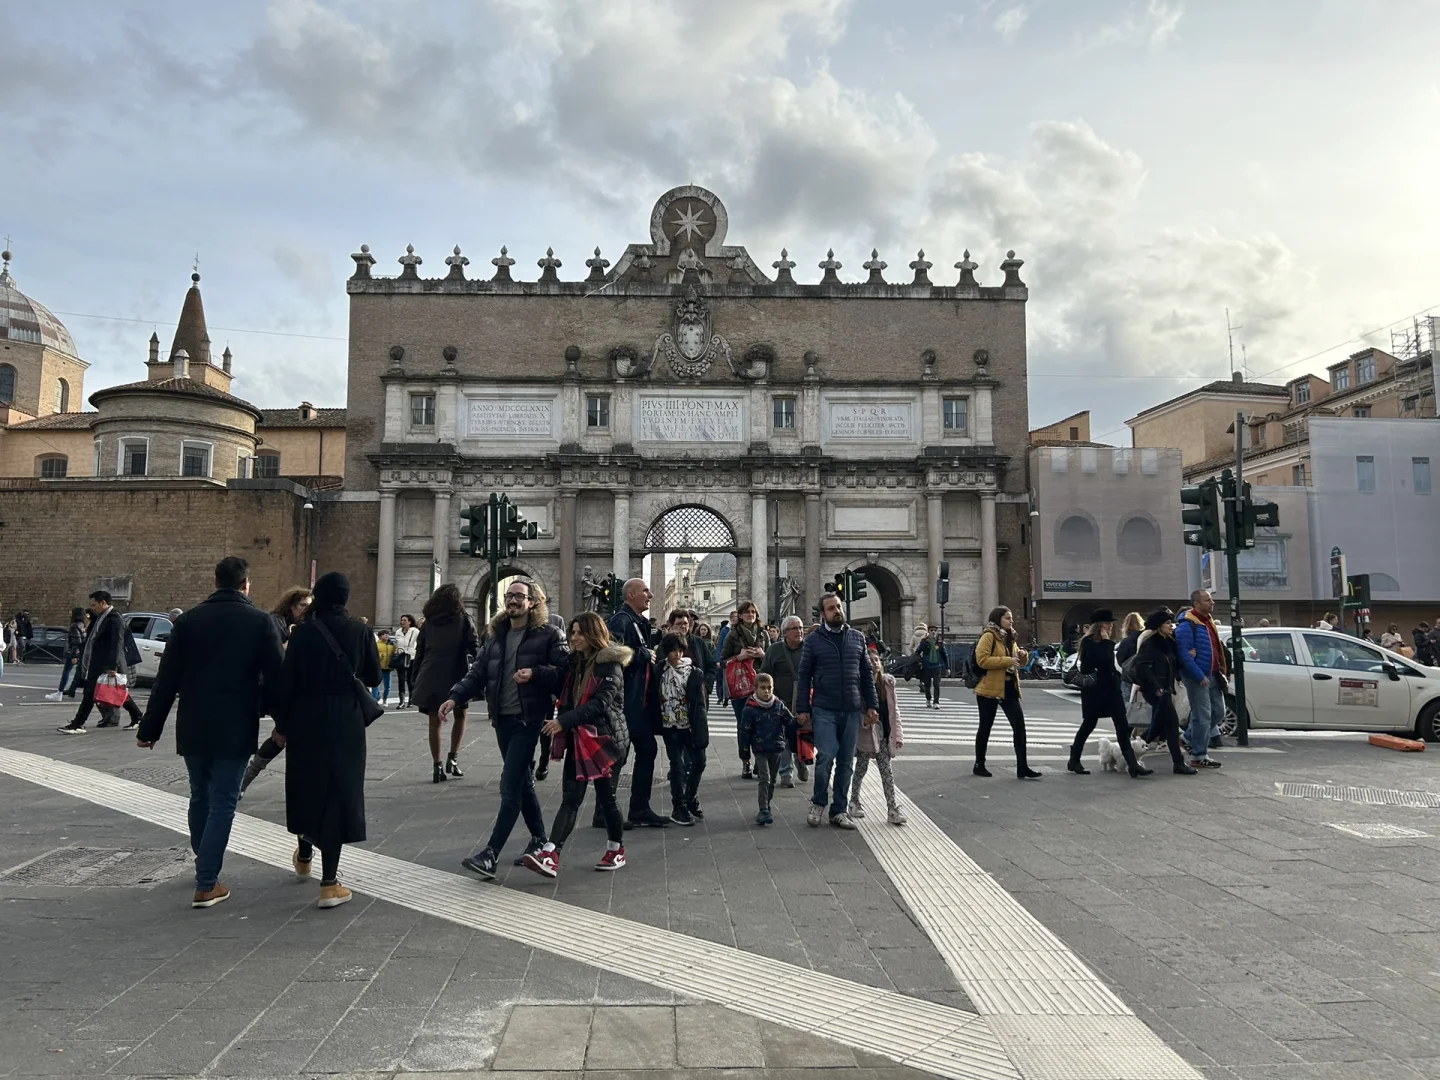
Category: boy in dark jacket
<point>685,725</point>
<point>766,727</point>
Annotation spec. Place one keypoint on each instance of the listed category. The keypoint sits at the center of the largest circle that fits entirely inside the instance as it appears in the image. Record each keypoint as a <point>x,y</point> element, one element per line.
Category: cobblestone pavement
<point>1252,937</point>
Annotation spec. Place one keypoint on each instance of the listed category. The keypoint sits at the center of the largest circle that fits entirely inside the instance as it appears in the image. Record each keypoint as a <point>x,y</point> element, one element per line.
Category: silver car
<point>151,631</point>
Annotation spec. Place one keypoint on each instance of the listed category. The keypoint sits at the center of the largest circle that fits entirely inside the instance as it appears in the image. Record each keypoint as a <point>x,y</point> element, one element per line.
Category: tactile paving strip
<point>1369,796</point>
<point>82,867</point>
<point>1055,1018</point>
<point>1379,830</point>
<point>921,1034</point>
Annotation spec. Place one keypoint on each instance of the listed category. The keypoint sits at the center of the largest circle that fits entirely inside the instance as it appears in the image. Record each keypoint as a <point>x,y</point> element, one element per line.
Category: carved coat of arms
<point>691,348</point>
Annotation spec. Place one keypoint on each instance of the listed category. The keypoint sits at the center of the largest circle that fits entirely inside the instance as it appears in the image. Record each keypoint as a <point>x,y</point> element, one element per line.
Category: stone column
<point>907,621</point>
<point>812,555</point>
<point>385,562</point>
<point>989,570</point>
<point>759,556</point>
<point>657,586</point>
<point>443,528</point>
<point>565,533</point>
<point>935,522</point>
<point>621,551</point>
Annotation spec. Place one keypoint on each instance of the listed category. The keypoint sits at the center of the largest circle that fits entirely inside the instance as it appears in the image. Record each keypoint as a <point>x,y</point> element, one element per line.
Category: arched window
<point>7,384</point>
<point>1078,537</point>
<point>1383,583</point>
<point>52,466</point>
<point>1139,541</point>
<point>62,396</point>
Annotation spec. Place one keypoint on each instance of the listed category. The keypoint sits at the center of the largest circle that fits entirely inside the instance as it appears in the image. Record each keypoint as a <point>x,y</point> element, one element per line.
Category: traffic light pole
<point>1234,514</point>
<point>492,551</point>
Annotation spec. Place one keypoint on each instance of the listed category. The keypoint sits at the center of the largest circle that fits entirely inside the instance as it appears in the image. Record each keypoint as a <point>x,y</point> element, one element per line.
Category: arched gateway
<point>691,398</point>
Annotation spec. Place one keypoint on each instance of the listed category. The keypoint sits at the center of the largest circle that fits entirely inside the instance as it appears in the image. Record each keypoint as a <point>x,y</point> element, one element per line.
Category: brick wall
<point>60,540</point>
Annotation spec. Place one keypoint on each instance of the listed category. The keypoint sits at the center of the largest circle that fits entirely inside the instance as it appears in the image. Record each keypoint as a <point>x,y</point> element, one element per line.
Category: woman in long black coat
<point>318,718</point>
<point>1157,666</point>
<point>443,652</point>
<point>1104,697</point>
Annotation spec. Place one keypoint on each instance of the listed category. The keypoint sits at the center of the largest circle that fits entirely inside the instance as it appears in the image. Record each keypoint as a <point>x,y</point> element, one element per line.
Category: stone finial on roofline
<point>549,265</point>
<point>967,267</point>
<point>876,266</point>
<point>363,261</point>
<point>1011,266</point>
<point>783,266</point>
<point>225,358</point>
<point>597,267</point>
<point>502,264</point>
<point>830,265</point>
<point>410,263</point>
<point>920,266</point>
<point>457,264</point>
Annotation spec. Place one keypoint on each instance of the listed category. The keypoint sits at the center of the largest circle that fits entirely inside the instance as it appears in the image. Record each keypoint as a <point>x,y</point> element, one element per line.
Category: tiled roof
<point>185,387</point>
<point>65,421</point>
<point>291,418</point>
<point>1225,386</point>
<point>24,319</point>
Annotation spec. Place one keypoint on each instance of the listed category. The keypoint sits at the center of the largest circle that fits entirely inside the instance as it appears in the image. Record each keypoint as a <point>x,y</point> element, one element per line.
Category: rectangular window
<point>1410,405</point>
<point>1365,473</point>
<point>1362,411</point>
<point>1342,378</point>
<point>243,463</point>
<point>1364,370</point>
<point>133,455</point>
<point>783,413</point>
<point>1297,475</point>
<point>957,415</point>
<point>267,466</point>
<point>96,470</point>
<point>53,468</point>
<point>1089,459</point>
<point>422,410</point>
<point>1120,462</point>
<point>1060,461</point>
<point>194,459</point>
<point>1150,462</point>
<point>597,411</point>
<point>1420,467</point>
<point>1074,434</point>
<point>1302,394</point>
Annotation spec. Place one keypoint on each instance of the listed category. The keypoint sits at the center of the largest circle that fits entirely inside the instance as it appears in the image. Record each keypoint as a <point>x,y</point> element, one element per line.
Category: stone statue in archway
<point>789,596</point>
<point>589,590</point>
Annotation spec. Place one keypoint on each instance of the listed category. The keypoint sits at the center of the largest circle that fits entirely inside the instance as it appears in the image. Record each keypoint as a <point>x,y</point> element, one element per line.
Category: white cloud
<point>1009,22</point>
<point>1146,25</point>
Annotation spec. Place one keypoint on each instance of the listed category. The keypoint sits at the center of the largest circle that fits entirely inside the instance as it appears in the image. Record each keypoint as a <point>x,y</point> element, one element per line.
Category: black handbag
<point>1075,680</point>
<point>370,709</point>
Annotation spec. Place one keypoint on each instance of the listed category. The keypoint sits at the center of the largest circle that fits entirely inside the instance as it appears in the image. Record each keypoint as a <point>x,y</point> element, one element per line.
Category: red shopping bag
<point>805,747</point>
<point>109,690</point>
<point>740,678</point>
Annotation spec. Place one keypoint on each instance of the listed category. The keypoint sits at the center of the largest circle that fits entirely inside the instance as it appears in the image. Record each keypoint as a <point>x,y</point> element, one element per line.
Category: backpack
<point>970,673</point>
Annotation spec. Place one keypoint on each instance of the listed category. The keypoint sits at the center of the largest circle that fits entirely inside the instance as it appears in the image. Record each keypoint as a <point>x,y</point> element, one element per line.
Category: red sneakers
<point>611,860</point>
<point>544,863</point>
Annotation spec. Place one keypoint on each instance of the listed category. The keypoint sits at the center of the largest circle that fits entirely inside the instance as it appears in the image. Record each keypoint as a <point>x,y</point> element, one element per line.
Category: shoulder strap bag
<point>370,709</point>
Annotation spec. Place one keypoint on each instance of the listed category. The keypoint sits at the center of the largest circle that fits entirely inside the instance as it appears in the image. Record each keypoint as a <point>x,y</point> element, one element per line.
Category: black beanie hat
<point>1158,618</point>
<point>332,590</point>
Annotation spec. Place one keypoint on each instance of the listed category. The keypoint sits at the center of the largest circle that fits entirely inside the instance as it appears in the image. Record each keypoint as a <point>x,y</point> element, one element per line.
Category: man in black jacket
<point>518,672</point>
<point>103,653</point>
<point>630,628</point>
<point>221,658</point>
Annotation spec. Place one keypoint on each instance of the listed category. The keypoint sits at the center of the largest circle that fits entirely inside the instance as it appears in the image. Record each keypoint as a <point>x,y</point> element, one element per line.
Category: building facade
<point>685,400</point>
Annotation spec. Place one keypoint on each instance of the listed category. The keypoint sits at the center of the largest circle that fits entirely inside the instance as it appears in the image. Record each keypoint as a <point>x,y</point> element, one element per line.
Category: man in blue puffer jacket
<point>1203,668</point>
<point>834,687</point>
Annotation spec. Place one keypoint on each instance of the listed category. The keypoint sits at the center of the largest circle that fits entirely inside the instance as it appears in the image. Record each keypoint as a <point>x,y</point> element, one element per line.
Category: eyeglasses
<point>517,596</point>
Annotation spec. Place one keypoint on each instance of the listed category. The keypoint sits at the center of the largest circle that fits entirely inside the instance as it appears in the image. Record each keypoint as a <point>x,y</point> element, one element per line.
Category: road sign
<point>1338,581</point>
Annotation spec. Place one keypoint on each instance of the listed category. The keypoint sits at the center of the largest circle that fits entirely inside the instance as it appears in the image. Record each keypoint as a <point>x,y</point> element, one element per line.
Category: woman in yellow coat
<point>1000,658</point>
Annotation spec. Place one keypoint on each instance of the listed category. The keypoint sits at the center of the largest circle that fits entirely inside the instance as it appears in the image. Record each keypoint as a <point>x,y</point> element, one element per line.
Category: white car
<point>1327,681</point>
<point>151,630</point>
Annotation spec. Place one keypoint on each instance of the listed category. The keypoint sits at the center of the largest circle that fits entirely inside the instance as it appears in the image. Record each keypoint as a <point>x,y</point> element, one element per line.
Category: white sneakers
<point>815,815</point>
<point>56,696</point>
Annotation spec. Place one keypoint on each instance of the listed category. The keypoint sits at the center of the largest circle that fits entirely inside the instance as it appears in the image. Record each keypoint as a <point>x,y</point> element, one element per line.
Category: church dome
<point>717,567</point>
<point>22,319</point>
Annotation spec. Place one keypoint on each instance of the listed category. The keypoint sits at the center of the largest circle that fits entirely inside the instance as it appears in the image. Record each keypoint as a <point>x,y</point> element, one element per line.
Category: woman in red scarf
<point>591,735</point>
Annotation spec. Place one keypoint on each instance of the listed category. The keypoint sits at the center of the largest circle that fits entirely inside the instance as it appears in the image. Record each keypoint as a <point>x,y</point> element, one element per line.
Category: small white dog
<point>1112,759</point>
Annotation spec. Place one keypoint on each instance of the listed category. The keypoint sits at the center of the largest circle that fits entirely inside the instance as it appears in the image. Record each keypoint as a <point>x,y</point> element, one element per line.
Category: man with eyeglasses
<point>518,671</point>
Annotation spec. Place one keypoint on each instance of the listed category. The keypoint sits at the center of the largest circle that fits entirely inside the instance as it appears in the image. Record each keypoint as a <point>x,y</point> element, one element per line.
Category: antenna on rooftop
<point>1230,337</point>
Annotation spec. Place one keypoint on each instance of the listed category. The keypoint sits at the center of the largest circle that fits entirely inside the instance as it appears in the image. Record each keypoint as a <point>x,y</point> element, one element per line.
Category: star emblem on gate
<point>690,222</point>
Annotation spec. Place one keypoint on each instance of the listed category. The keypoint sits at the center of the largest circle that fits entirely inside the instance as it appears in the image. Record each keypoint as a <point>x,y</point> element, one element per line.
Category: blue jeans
<point>214,791</point>
<point>835,735</point>
<point>382,691</point>
<point>72,663</point>
<point>1207,710</point>
<point>517,740</point>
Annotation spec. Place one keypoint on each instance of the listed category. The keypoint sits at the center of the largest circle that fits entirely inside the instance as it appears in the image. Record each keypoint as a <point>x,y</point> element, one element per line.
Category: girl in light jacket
<point>402,661</point>
<point>879,743</point>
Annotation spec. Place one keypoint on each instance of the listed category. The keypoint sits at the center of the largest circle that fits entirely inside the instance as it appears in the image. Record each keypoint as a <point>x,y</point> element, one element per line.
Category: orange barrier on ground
<point>1394,742</point>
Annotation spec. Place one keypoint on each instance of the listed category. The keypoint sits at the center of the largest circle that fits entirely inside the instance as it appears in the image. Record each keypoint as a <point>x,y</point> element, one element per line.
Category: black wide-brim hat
<point>1158,618</point>
<point>1103,614</point>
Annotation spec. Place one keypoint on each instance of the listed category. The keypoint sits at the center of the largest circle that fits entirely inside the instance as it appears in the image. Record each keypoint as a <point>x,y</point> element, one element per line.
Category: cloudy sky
<point>1153,161</point>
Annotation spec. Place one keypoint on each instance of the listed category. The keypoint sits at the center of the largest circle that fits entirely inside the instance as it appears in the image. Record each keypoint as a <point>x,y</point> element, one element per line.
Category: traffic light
<point>942,585</point>
<point>1253,514</point>
<point>857,584</point>
<point>838,586</point>
<point>608,594</point>
<point>513,529</point>
<point>473,531</point>
<point>1202,516</point>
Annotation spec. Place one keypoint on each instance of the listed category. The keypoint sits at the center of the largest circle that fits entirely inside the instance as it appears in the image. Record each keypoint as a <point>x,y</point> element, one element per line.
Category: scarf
<point>1005,640</point>
<point>750,635</point>
<point>90,641</point>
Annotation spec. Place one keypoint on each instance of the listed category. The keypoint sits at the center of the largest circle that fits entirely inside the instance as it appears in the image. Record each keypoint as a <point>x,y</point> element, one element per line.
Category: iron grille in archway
<point>689,528</point>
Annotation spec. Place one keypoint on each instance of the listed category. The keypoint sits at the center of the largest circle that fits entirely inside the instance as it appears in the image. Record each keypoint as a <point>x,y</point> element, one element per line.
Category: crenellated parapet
<point>687,250</point>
